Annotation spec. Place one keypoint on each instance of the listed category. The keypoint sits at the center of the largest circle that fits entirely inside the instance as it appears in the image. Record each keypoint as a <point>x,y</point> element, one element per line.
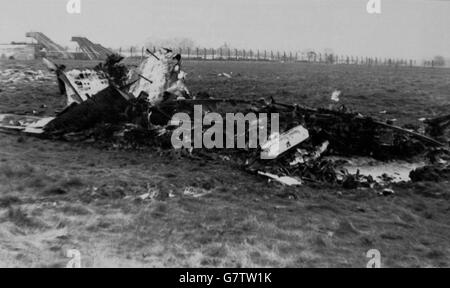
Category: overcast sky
<point>405,28</point>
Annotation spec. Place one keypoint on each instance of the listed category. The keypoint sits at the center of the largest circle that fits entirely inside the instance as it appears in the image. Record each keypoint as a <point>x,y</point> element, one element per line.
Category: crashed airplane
<point>133,108</point>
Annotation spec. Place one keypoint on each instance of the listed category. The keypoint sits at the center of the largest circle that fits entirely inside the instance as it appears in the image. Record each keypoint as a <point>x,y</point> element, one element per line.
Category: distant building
<point>20,51</point>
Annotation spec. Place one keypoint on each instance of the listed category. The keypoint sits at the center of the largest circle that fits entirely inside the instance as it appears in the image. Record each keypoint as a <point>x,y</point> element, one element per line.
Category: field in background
<point>407,94</point>
<point>56,196</point>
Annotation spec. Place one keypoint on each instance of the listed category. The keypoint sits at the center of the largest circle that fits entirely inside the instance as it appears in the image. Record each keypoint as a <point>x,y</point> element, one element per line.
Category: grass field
<point>56,196</point>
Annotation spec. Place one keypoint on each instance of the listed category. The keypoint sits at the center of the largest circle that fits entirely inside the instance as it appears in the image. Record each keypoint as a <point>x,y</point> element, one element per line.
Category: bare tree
<point>439,61</point>
<point>174,43</point>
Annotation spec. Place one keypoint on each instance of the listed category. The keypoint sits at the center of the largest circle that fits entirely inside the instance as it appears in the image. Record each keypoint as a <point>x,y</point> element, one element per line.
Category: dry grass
<point>56,196</point>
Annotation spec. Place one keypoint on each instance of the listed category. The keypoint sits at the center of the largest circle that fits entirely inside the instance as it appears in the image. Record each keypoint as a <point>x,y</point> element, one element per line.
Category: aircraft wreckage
<point>135,108</point>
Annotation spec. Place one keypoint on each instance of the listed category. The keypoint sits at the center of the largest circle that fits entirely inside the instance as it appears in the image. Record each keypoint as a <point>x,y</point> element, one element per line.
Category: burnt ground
<point>56,196</point>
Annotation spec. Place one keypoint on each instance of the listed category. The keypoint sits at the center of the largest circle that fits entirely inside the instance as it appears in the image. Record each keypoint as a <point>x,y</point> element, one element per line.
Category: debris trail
<point>136,108</point>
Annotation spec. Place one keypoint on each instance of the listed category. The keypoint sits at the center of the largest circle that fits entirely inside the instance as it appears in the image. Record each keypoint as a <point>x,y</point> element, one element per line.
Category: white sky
<point>406,28</point>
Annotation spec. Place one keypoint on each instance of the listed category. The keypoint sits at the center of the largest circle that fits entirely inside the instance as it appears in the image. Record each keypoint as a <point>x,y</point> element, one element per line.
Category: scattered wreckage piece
<point>281,143</point>
<point>289,181</point>
<point>433,173</point>
<point>380,172</point>
<point>439,127</point>
<point>114,70</point>
<point>24,123</point>
<point>107,106</point>
<point>352,134</point>
<point>80,85</point>
<point>16,76</point>
<point>159,73</point>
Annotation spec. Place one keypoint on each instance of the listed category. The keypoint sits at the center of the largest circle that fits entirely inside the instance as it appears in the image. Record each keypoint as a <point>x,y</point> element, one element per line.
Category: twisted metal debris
<point>135,109</point>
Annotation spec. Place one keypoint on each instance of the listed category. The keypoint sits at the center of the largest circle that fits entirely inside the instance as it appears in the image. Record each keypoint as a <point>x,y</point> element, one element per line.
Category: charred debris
<point>133,108</point>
